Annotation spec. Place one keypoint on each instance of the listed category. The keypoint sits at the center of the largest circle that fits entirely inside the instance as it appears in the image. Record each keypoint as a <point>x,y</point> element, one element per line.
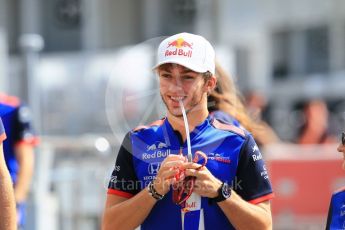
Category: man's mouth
<point>176,98</point>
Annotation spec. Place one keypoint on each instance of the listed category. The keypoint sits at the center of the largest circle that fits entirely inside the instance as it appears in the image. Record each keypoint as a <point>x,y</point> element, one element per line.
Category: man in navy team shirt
<point>18,149</point>
<point>336,213</point>
<point>231,191</point>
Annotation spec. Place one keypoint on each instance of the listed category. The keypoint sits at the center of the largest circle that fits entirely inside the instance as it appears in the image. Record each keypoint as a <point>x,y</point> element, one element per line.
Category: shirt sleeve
<point>23,127</point>
<point>252,182</point>
<point>2,132</point>
<point>225,118</point>
<point>123,181</point>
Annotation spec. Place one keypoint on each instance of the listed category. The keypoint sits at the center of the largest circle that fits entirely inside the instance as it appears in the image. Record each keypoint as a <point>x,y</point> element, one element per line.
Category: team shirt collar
<point>174,139</point>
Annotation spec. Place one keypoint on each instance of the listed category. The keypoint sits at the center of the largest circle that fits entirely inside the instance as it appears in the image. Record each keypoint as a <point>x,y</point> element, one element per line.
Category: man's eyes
<point>188,77</point>
<point>183,77</point>
<point>167,76</point>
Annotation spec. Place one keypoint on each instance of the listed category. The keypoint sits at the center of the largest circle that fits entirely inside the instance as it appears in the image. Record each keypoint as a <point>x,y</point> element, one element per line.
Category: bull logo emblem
<point>179,43</point>
<point>162,145</point>
<point>151,147</point>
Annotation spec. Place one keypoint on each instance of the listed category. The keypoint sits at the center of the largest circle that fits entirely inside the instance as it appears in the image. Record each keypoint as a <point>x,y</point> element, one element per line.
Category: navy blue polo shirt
<point>336,214</point>
<point>233,157</point>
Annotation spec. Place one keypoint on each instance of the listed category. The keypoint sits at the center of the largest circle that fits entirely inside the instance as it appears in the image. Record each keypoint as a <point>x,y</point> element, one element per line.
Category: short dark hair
<point>207,75</point>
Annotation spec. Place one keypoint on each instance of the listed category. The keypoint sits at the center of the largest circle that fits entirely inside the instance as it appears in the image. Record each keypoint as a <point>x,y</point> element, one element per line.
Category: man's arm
<point>250,198</point>
<point>25,156</point>
<point>7,204</point>
<point>244,215</point>
<point>130,212</point>
<point>122,213</point>
<point>25,141</point>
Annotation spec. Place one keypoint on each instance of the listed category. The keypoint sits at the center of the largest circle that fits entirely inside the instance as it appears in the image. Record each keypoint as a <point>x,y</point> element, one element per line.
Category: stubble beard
<point>191,106</point>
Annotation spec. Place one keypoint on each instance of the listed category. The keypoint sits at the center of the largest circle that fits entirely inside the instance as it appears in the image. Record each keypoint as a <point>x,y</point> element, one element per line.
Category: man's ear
<point>211,84</point>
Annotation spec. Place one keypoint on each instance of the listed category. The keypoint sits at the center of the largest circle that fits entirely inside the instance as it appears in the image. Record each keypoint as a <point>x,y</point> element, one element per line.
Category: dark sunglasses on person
<point>343,138</point>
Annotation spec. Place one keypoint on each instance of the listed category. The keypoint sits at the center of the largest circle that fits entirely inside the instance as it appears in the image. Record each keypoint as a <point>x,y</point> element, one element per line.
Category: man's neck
<point>194,119</point>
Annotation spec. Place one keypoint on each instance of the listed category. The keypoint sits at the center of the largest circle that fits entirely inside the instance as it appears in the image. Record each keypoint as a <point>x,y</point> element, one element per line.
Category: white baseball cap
<point>189,50</point>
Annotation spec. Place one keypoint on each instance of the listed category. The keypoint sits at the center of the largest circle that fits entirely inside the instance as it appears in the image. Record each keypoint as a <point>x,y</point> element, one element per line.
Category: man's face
<point>341,147</point>
<point>179,83</point>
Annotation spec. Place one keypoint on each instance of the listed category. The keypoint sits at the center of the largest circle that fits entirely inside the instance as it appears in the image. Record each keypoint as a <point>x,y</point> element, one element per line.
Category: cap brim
<point>190,66</point>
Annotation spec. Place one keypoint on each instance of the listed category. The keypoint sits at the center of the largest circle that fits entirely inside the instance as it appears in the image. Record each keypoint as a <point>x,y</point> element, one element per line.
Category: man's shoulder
<point>154,125</point>
<point>147,135</point>
<point>229,128</point>
<point>339,192</point>
<point>9,105</point>
<point>8,100</point>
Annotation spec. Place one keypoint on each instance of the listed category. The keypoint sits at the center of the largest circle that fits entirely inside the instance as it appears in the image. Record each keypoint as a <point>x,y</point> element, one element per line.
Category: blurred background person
<point>256,104</point>
<point>7,204</point>
<point>226,104</point>
<point>315,127</point>
<point>18,149</point>
<point>336,218</point>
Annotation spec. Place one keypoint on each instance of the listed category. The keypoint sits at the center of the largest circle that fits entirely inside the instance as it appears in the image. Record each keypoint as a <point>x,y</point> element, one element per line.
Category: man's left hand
<point>206,184</point>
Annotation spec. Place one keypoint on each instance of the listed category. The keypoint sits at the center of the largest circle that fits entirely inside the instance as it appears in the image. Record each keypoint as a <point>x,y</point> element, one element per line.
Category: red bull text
<point>178,52</point>
<point>179,43</point>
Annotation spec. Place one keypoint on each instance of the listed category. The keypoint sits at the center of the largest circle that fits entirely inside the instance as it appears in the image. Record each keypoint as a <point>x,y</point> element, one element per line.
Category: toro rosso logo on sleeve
<point>182,48</point>
<point>219,158</point>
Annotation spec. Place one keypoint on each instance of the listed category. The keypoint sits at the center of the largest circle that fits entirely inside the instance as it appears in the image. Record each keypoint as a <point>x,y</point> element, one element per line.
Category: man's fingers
<point>173,161</point>
<point>191,165</point>
<point>192,172</point>
<point>169,174</point>
<point>172,164</point>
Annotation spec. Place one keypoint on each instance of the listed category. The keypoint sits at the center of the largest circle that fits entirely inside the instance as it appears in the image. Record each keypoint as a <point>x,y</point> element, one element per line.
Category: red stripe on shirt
<point>34,141</point>
<point>339,190</point>
<point>9,100</point>
<point>2,137</point>
<point>158,122</point>
<point>155,123</point>
<point>217,124</point>
<point>119,193</point>
<point>262,199</point>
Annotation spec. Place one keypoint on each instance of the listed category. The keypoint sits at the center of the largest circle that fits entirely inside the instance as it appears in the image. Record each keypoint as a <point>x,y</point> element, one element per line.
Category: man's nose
<point>341,148</point>
<point>176,84</point>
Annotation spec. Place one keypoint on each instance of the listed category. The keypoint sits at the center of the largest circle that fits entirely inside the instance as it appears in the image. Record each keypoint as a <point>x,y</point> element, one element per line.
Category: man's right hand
<point>166,175</point>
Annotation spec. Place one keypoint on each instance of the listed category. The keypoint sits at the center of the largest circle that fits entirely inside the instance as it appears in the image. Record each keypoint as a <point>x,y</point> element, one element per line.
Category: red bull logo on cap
<point>179,45</point>
<point>180,42</point>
